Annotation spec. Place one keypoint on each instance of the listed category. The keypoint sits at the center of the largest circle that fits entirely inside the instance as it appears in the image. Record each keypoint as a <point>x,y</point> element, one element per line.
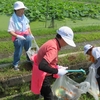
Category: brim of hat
<point>69,41</point>
<point>21,8</point>
<point>85,51</point>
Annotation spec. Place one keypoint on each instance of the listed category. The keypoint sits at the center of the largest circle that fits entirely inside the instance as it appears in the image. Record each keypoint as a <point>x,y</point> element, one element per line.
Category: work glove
<point>21,37</point>
<point>32,37</point>
<point>61,67</point>
<point>62,72</point>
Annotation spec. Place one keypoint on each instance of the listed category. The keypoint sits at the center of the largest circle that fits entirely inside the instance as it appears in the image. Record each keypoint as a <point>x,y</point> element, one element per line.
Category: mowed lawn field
<point>4,20</point>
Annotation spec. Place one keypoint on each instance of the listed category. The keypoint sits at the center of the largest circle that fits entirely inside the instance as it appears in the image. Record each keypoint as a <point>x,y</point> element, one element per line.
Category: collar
<point>58,43</point>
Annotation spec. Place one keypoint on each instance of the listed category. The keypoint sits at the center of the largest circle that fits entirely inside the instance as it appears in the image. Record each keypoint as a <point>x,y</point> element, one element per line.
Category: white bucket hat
<point>67,35</point>
<point>87,47</point>
<point>19,5</point>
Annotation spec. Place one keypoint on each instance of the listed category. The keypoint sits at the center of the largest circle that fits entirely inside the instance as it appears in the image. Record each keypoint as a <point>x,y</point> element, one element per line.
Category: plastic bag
<point>33,49</point>
<point>94,89</point>
<point>65,88</point>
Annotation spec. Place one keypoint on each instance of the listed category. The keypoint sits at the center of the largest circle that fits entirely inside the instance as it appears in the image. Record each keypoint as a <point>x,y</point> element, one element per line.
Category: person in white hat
<point>20,30</point>
<point>45,62</point>
<point>94,57</point>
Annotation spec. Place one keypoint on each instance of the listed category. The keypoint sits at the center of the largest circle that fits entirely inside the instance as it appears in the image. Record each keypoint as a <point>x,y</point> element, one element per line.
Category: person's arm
<point>11,28</point>
<point>97,66</point>
<point>97,63</point>
<point>31,33</point>
<point>30,30</point>
<point>44,66</point>
<point>13,33</point>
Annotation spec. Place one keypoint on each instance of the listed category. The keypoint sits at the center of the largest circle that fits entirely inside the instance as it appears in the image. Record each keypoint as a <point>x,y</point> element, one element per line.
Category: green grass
<point>37,25</point>
<point>90,27</point>
<point>7,46</point>
<point>4,20</point>
<point>31,96</point>
<point>8,72</point>
<point>67,22</point>
<point>88,1</point>
<point>65,61</point>
<point>85,30</point>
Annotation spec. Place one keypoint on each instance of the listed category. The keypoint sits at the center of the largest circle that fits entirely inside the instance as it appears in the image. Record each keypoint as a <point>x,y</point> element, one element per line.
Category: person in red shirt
<point>45,62</point>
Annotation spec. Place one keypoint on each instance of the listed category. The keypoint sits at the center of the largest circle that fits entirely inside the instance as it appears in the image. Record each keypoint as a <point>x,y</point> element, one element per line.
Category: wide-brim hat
<point>87,47</point>
<point>19,5</point>
<point>67,35</point>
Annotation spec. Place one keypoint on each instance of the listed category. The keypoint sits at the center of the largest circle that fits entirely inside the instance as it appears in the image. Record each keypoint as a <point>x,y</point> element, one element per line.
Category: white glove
<point>62,72</point>
<point>61,67</point>
<point>32,37</point>
<point>21,37</point>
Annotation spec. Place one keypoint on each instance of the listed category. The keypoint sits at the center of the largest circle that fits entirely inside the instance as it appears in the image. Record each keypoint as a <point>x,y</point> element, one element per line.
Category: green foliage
<point>41,9</point>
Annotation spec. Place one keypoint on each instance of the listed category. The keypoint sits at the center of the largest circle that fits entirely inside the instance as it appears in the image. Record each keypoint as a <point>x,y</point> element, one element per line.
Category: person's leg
<point>18,45</point>
<point>98,80</point>
<point>27,44</point>
<point>46,91</point>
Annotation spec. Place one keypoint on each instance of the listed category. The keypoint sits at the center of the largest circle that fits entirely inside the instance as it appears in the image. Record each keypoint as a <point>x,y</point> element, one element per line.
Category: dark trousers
<point>46,91</point>
<point>98,80</point>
